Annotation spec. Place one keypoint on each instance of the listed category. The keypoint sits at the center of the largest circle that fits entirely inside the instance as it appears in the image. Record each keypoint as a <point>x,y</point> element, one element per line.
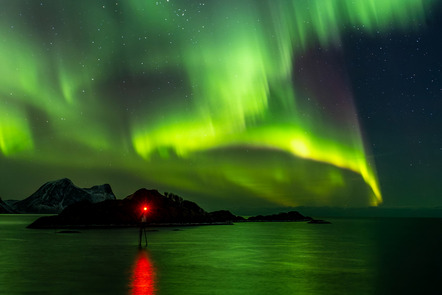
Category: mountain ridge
<point>160,209</point>
<point>55,196</point>
<point>5,208</point>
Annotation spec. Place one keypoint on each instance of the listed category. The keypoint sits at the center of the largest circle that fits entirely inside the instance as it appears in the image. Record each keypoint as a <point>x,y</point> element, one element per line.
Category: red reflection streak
<point>143,276</point>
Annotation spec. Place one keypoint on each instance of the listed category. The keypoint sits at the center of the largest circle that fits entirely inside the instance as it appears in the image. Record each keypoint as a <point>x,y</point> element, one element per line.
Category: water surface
<point>349,256</point>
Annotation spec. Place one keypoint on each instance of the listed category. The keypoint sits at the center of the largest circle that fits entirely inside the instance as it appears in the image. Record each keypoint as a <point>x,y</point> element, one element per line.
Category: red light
<point>143,279</point>
<point>145,208</point>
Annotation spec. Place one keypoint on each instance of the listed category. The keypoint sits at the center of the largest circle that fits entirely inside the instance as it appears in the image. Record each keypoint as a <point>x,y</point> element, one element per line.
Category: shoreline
<point>116,226</point>
<point>166,224</point>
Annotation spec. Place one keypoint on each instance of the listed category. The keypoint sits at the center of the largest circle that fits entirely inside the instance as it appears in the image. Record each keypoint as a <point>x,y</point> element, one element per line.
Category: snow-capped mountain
<point>54,196</point>
<point>4,207</point>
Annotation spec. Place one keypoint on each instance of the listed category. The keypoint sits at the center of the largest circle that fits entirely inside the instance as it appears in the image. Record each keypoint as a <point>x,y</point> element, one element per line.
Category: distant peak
<point>143,193</point>
<point>145,190</point>
<point>54,196</point>
<point>62,180</point>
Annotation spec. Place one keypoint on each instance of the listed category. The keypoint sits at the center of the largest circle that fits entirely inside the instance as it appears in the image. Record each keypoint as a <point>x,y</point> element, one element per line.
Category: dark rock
<point>288,216</point>
<point>224,215</point>
<point>169,208</point>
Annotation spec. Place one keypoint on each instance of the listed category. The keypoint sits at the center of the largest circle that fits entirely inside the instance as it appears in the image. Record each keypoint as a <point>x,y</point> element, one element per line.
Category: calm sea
<point>349,256</point>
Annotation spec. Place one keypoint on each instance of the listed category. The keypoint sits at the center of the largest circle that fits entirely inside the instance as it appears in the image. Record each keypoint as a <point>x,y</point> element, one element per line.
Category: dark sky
<point>397,78</point>
<point>232,104</point>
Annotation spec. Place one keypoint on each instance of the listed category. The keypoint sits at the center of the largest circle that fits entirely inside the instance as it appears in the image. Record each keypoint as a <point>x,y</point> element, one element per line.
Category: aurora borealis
<point>224,102</point>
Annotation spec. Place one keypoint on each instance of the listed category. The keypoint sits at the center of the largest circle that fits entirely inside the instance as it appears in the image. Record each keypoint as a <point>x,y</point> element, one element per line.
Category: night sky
<point>232,104</point>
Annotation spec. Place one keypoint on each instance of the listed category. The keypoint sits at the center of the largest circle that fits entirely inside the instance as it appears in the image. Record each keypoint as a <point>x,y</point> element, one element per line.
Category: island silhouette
<point>98,207</point>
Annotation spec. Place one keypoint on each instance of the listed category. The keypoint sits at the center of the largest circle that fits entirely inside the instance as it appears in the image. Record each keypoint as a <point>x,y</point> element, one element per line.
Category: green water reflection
<point>349,256</point>
<point>266,258</point>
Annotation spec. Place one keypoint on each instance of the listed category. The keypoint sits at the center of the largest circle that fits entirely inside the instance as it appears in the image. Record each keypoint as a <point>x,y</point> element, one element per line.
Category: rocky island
<point>162,210</point>
<point>97,207</point>
<point>282,217</point>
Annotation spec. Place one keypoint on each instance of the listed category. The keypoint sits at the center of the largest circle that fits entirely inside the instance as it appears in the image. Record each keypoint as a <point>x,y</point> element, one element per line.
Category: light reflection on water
<point>359,256</point>
<point>143,275</point>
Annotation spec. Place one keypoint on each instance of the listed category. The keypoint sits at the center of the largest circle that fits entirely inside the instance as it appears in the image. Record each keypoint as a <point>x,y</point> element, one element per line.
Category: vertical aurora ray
<point>55,81</point>
<point>15,134</point>
<point>185,84</point>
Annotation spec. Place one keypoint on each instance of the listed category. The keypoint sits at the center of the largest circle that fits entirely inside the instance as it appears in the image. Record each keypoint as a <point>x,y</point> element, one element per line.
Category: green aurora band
<point>205,92</point>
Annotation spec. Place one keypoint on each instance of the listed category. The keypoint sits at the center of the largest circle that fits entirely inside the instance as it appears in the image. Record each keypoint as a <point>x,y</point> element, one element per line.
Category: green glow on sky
<point>15,133</point>
<point>175,83</point>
